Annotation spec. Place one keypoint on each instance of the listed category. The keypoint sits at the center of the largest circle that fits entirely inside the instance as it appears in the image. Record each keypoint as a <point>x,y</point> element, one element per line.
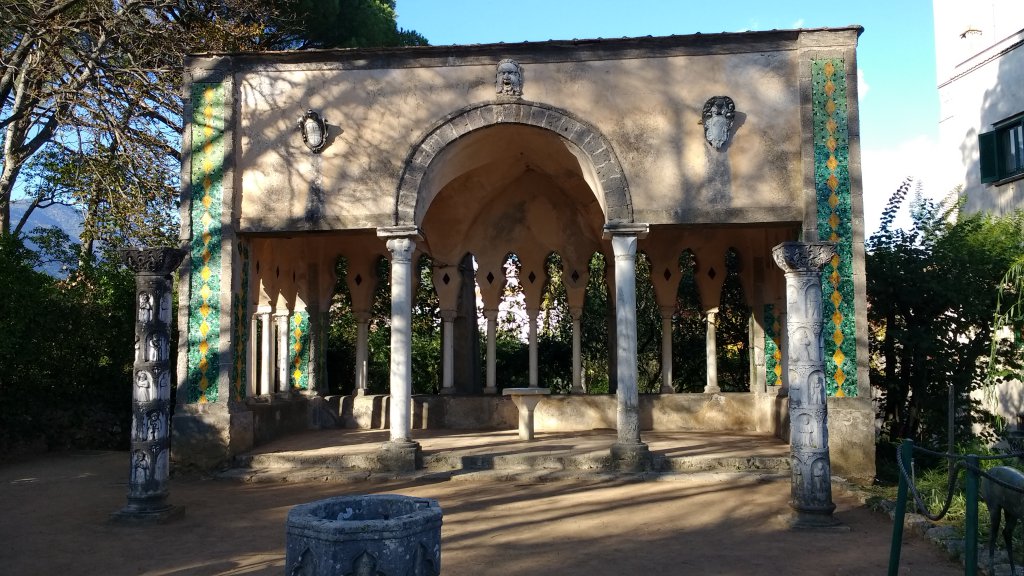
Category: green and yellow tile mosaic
<point>298,349</point>
<point>835,221</point>
<point>240,332</point>
<point>772,350</point>
<point>207,175</point>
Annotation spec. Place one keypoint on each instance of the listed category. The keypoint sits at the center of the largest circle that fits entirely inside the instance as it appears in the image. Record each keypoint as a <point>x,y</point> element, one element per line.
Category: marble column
<point>362,351</point>
<point>531,315</point>
<point>281,347</point>
<point>149,461</point>
<point>252,382</point>
<point>266,353</point>
<point>448,351</point>
<point>628,452</point>
<point>492,336</point>
<point>808,410</point>
<point>711,353</point>
<point>577,350</point>
<point>400,453</point>
<point>666,349</point>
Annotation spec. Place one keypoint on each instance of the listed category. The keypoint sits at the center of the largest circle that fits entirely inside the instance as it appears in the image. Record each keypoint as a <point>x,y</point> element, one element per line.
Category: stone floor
<point>716,522</point>
<point>346,454</point>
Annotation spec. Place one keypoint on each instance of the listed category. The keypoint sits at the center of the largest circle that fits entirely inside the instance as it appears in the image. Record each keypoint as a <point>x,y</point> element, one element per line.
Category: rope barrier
<point>957,461</point>
<point>921,506</point>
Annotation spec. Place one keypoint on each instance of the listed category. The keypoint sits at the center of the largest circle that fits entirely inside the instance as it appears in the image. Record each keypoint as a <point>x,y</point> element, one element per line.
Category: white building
<point>979,51</point>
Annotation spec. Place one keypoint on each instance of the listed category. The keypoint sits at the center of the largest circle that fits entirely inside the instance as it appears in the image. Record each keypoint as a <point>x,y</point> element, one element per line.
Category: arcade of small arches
<point>682,342</point>
<point>522,183</point>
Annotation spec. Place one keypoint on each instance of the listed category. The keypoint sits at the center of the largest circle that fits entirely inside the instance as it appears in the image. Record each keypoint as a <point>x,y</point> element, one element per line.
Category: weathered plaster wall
<point>645,97</point>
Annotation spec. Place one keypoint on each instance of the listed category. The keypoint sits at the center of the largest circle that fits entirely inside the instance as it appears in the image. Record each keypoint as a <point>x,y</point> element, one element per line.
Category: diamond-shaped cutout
<point>446,279</point>
<point>359,280</point>
<point>532,277</point>
<point>490,277</point>
<point>668,274</point>
<point>575,276</point>
<point>712,273</point>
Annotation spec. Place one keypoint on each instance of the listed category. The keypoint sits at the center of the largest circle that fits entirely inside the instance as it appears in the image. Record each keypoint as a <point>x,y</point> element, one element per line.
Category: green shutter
<point>988,156</point>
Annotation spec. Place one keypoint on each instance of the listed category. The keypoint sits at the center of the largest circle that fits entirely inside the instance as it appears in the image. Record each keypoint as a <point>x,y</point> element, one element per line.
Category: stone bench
<point>526,399</point>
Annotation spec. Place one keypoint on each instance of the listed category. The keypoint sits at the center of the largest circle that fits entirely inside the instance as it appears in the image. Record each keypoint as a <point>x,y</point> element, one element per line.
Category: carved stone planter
<point>383,535</point>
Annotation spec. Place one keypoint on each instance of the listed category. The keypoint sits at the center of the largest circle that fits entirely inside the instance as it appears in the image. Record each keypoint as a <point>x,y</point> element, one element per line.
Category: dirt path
<point>54,511</point>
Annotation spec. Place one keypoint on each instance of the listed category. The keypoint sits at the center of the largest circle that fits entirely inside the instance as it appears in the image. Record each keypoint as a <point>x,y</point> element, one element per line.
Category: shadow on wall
<point>1001,101</point>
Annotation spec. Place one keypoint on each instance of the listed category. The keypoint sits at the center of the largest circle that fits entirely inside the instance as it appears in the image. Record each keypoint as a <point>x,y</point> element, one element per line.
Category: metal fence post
<point>971,528</point>
<point>905,454</point>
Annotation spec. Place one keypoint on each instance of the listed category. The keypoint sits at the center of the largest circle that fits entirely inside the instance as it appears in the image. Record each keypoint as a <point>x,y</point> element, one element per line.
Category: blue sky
<point>899,108</point>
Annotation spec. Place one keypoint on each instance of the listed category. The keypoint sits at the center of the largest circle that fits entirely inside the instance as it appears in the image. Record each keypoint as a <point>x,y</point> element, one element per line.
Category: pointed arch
<point>605,174</point>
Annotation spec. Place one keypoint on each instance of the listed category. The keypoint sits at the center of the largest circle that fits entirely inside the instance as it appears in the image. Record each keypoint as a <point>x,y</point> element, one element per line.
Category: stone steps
<point>539,466</point>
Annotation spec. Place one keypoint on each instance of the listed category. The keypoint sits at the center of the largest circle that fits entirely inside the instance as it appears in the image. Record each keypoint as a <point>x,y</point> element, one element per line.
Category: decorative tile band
<point>207,174</point>
<point>240,329</point>
<point>835,221</point>
<point>772,350</point>
<point>298,349</point>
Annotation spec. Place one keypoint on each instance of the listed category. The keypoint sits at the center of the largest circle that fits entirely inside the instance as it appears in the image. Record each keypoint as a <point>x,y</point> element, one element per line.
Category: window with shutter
<point>1001,151</point>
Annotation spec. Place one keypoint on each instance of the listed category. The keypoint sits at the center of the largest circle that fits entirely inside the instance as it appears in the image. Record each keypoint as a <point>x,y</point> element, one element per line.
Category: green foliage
<point>931,293</point>
<point>732,331</point>
<point>65,354</point>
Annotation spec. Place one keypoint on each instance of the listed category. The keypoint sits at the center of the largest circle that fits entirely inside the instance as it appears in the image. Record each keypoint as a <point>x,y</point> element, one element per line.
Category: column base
<point>399,456</point>
<point>577,390</point>
<point>712,389</point>
<point>130,515</point>
<point>814,518</point>
<point>490,390</point>
<point>665,389</point>
<point>448,391</point>
<point>631,457</point>
<point>821,520</point>
<point>360,392</point>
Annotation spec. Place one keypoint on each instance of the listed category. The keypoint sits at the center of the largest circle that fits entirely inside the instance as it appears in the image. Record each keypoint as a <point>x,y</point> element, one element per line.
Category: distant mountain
<point>66,218</point>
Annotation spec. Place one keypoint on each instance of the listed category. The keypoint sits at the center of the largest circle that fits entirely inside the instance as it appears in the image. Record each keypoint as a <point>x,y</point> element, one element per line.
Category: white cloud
<point>798,24</point>
<point>862,85</point>
<point>884,169</point>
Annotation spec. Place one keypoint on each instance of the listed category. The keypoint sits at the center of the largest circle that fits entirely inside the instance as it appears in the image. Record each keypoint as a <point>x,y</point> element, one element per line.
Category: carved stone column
<point>400,453</point>
<point>711,354</point>
<point>151,378</point>
<point>628,452</point>
<point>808,411</point>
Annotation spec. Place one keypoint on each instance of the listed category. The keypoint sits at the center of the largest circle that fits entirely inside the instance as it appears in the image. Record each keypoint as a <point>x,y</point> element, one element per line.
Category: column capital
<point>152,261</point>
<point>635,229</point>
<point>803,257</point>
<point>449,315</point>
<point>389,232</point>
<point>401,249</point>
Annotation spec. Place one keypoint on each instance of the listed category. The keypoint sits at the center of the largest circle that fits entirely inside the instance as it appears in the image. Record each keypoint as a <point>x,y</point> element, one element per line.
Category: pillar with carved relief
<point>808,411</point>
<point>149,460</point>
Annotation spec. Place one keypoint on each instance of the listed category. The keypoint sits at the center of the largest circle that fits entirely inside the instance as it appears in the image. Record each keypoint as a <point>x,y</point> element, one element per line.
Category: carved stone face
<point>509,79</point>
<point>717,117</point>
